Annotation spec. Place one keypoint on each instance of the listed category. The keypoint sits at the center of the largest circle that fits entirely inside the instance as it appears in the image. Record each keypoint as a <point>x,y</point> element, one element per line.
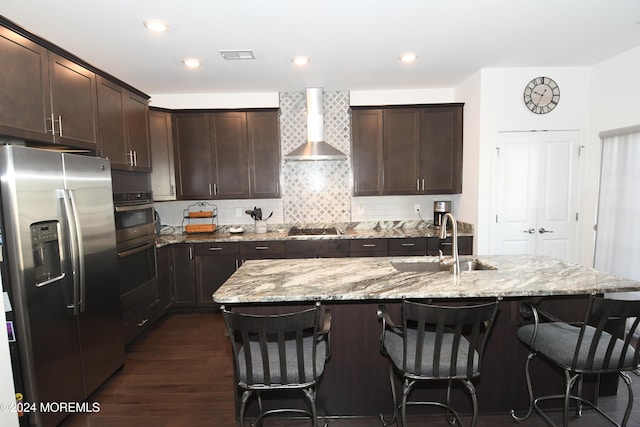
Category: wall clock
<point>541,95</point>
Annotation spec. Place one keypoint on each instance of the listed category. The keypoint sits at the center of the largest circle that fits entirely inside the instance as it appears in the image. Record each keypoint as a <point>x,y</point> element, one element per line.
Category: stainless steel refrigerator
<point>61,264</point>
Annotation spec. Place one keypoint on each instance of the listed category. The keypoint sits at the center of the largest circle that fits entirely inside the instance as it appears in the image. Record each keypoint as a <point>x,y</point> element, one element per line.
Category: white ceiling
<point>353,44</point>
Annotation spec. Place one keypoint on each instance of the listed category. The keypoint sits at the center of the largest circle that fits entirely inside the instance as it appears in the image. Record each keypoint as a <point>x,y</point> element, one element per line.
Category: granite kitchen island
<point>356,378</point>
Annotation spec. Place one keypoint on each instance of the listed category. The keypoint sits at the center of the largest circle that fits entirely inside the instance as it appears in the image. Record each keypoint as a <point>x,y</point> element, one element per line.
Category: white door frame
<point>576,189</point>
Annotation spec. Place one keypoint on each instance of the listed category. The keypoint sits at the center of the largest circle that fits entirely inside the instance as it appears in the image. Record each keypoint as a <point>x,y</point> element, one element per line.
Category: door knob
<point>530,231</point>
<point>542,230</point>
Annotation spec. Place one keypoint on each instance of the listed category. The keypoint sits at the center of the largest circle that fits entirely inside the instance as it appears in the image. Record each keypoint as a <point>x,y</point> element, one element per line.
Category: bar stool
<point>435,343</point>
<point>606,341</point>
<point>279,352</point>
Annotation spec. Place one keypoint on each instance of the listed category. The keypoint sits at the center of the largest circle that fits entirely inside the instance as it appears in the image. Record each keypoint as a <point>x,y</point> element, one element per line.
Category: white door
<point>536,203</point>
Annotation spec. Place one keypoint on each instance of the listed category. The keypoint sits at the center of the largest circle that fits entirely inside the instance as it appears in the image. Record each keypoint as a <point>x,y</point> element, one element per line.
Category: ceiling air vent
<point>237,54</point>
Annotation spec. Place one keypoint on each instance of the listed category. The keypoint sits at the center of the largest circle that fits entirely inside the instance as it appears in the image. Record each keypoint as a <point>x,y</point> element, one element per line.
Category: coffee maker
<point>440,208</point>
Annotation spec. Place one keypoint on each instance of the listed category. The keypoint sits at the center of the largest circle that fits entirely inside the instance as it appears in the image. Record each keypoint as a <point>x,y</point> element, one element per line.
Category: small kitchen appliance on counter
<point>440,208</point>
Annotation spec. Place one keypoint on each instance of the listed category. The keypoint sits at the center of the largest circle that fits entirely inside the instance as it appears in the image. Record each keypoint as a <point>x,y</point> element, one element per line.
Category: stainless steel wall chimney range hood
<point>315,148</point>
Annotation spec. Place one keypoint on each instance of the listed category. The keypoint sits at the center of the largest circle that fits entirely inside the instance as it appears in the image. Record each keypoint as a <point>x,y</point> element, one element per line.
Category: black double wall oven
<point>136,246</point>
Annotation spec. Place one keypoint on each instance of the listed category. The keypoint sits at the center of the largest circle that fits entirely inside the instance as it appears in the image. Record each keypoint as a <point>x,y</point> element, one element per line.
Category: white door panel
<point>536,198</point>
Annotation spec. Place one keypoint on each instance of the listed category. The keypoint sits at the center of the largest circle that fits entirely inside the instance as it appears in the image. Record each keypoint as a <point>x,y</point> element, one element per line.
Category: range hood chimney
<point>315,148</point>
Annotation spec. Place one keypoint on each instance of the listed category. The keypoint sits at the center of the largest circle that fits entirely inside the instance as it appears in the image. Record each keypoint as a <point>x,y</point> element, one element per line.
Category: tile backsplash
<point>315,191</point>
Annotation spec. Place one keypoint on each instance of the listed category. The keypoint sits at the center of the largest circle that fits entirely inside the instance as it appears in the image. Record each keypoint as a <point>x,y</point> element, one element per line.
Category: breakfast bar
<point>355,382</point>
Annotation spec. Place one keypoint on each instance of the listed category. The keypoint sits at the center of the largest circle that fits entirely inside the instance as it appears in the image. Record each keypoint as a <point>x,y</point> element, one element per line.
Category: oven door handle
<point>136,250</point>
<point>127,208</point>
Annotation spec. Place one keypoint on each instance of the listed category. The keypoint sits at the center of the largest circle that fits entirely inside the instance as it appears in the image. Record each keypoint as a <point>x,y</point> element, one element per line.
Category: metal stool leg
<point>243,405</point>
<point>406,389</point>
<point>311,395</point>
<point>627,412</point>
<point>474,400</point>
<point>516,418</point>
<point>395,401</point>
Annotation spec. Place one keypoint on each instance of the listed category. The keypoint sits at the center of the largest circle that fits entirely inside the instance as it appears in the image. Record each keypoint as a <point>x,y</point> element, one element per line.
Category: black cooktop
<point>302,231</point>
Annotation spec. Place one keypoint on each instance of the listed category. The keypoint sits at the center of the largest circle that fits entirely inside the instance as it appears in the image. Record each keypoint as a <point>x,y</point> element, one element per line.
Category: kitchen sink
<point>314,231</point>
<point>436,266</point>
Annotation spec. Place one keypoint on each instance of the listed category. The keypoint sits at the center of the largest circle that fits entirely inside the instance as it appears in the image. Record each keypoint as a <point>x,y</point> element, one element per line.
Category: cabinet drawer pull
<point>215,248</point>
<point>408,244</point>
<point>446,244</point>
<point>141,324</point>
<point>262,248</point>
<point>371,245</point>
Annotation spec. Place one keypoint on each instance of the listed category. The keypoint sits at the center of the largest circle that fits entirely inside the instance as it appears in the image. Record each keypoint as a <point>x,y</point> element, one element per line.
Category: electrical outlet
<point>416,208</point>
<point>361,208</point>
<point>239,212</point>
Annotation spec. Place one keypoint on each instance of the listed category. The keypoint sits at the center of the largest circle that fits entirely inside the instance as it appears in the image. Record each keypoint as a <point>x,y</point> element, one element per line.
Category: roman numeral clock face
<point>541,95</point>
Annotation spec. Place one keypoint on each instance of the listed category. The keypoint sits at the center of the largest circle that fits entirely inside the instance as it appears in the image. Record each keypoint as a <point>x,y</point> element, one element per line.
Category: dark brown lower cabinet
<point>164,265</point>
<point>184,276</point>
<point>368,247</point>
<point>215,263</point>
<point>434,244</point>
<point>408,246</point>
<point>324,248</point>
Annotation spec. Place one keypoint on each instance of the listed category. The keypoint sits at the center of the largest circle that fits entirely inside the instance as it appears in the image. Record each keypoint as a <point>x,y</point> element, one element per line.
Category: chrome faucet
<point>443,235</point>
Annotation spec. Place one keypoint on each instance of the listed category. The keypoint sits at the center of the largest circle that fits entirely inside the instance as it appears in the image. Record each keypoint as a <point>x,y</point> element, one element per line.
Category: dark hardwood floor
<point>180,374</point>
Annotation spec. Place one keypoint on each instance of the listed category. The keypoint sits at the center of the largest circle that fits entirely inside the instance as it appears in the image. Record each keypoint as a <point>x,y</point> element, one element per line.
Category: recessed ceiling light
<point>156,26</point>
<point>191,62</point>
<point>408,57</point>
<point>238,54</point>
<point>301,60</point>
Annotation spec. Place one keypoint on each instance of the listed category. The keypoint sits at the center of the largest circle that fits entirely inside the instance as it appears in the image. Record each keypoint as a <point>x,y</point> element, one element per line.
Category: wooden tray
<point>201,214</point>
<point>200,228</point>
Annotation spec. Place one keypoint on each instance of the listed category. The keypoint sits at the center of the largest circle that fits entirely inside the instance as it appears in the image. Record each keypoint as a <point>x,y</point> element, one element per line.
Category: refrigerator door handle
<point>50,281</point>
<point>77,263</point>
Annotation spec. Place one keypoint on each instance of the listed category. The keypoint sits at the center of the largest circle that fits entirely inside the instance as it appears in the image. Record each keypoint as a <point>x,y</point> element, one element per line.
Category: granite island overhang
<point>358,279</point>
<point>355,382</point>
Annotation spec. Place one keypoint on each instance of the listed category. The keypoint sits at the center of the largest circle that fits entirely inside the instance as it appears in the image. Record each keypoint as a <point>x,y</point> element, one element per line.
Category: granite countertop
<point>353,279</point>
<point>364,231</point>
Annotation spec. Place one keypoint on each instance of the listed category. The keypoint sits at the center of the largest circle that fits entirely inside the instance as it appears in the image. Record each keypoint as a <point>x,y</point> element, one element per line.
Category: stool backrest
<point>609,335</point>
<point>451,327</point>
<point>267,341</point>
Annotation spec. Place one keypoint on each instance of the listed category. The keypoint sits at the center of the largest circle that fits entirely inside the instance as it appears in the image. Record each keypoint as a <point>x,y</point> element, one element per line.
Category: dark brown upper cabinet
<point>230,152</point>
<point>227,155</point>
<point>124,127</point>
<point>441,149</point>
<point>407,150</point>
<point>45,97</point>
<point>367,152</point>
<point>163,177</point>
<point>401,148</point>
<point>264,150</point>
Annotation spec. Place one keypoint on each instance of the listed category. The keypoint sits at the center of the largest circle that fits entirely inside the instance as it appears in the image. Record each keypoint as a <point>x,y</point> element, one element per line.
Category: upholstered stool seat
<point>279,352</point>
<point>435,343</point>
<point>605,341</point>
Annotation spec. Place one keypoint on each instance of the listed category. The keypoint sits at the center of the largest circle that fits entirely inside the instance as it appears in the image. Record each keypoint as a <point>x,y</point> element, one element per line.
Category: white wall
<point>501,108</point>
<point>177,101</point>
<point>469,92</point>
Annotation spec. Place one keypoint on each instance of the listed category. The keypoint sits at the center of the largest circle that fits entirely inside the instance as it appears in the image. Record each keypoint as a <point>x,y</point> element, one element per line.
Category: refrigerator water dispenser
<point>46,251</point>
